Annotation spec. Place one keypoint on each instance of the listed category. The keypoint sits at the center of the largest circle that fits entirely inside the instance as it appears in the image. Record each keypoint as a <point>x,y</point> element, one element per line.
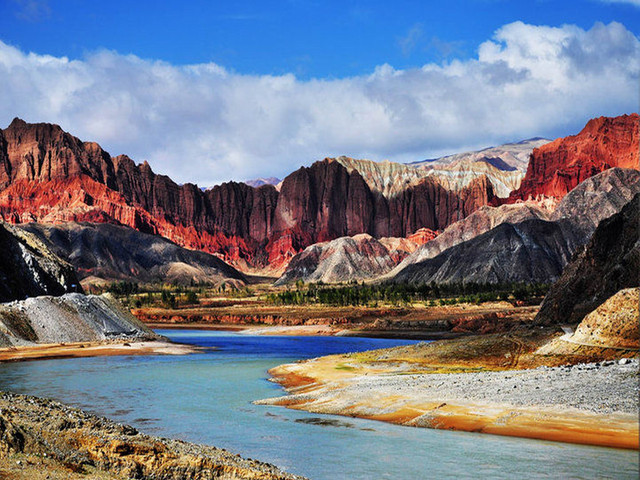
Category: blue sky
<point>308,38</point>
<point>211,91</point>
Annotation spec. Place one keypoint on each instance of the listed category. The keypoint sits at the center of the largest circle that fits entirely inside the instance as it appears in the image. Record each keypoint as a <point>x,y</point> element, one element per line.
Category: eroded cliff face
<point>608,263</point>
<point>557,167</point>
<point>41,152</point>
<point>28,268</point>
<point>330,201</point>
<point>49,176</point>
<point>521,242</point>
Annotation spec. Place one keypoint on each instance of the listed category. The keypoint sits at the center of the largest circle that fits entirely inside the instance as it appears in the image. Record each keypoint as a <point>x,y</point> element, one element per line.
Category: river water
<point>206,398</point>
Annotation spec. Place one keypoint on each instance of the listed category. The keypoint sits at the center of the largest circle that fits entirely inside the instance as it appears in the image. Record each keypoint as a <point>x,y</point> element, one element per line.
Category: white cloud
<point>205,124</point>
<point>408,43</point>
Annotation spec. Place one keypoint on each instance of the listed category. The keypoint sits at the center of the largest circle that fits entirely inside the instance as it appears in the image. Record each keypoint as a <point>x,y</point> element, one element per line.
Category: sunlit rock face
<point>344,259</point>
<point>523,242</point>
<point>557,167</point>
<point>28,268</point>
<point>49,176</point>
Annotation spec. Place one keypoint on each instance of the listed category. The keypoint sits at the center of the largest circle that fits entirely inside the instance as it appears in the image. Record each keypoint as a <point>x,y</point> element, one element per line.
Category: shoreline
<point>414,322</point>
<point>44,437</point>
<point>53,351</point>
<point>309,330</point>
<point>444,401</point>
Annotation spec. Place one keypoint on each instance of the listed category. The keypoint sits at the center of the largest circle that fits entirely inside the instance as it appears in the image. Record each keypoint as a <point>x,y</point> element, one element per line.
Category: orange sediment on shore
<point>319,387</point>
<point>93,349</point>
<point>616,430</point>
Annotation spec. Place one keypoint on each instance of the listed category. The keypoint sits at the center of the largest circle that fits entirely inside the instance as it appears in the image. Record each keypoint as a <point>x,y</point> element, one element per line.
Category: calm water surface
<point>206,398</point>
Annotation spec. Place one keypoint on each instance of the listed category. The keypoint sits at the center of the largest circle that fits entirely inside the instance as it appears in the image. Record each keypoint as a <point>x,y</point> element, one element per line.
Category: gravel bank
<point>72,317</point>
<point>594,403</point>
<point>606,387</point>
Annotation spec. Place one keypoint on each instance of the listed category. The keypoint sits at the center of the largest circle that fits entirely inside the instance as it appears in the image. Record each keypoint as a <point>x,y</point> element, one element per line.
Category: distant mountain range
<point>522,242</point>
<point>259,182</point>
<point>510,156</point>
<point>48,176</point>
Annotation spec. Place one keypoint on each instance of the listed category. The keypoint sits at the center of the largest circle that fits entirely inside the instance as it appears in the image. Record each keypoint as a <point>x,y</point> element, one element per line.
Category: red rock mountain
<point>557,167</point>
<point>49,176</point>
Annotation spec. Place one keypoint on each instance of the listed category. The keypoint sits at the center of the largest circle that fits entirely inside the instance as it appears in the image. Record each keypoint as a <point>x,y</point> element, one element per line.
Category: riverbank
<point>94,349</point>
<point>417,322</point>
<point>42,438</point>
<point>505,390</point>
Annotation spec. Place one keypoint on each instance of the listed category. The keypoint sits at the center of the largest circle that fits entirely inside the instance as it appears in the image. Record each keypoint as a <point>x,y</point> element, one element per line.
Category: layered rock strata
<point>557,167</point>
<point>534,250</point>
<point>47,175</point>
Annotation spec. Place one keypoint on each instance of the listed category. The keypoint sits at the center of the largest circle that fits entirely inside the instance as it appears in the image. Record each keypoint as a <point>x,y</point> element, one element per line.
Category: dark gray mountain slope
<point>115,252</point>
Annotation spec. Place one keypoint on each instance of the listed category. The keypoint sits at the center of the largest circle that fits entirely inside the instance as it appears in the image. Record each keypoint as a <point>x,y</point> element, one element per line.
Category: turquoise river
<point>207,398</point>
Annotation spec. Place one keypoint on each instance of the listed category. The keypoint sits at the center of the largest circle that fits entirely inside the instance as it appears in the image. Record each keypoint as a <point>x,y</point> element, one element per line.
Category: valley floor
<point>414,322</point>
<point>502,387</point>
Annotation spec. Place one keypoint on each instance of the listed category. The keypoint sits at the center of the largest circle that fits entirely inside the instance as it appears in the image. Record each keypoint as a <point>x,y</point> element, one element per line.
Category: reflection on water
<point>207,397</point>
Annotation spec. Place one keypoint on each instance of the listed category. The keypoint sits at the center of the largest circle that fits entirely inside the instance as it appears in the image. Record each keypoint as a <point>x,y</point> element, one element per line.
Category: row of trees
<point>169,296</point>
<point>355,294</point>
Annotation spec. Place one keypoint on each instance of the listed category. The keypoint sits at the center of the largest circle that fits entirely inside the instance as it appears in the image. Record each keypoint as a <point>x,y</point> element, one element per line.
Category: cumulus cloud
<point>206,124</point>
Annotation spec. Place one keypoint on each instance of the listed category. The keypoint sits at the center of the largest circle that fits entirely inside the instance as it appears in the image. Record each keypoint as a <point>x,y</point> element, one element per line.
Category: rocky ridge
<point>614,324</point>
<point>557,167</point>
<point>357,258</point>
<point>107,252</point>
<point>609,262</point>
<point>479,222</point>
<point>344,259</point>
<point>325,201</point>
<point>79,443</point>
<point>72,317</point>
<point>503,249</point>
<point>28,268</point>
<point>533,251</point>
<point>47,175</point>
<point>510,156</point>
<point>390,179</point>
